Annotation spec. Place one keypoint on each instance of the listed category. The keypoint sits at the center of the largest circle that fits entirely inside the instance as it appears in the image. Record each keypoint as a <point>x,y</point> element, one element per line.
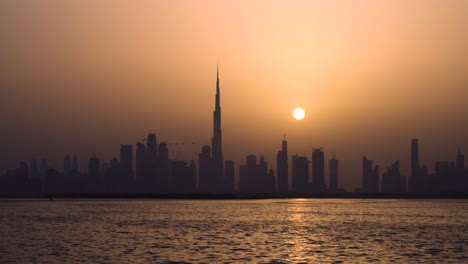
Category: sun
<point>299,113</point>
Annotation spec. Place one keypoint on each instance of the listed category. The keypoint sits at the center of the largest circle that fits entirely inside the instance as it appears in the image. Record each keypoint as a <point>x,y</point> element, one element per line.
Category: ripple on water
<point>263,231</point>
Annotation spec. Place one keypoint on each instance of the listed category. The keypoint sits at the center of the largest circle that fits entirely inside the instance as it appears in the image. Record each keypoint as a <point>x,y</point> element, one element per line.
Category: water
<point>234,231</point>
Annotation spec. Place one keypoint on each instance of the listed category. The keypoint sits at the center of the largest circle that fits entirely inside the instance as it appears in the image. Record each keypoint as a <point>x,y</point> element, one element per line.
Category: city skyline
<point>86,77</point>
<point>150,169</point>
<point>216,172</point>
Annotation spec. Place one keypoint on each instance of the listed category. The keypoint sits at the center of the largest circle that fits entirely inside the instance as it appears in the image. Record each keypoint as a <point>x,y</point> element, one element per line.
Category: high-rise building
<point>126,160</point>
<point>318,171</point>
<point>392,181</point>
<point>216,141</point>
<point>151,144</point>
<point>301,169</point>
<point>243,185</point>
<point>282,168</point>
<point>415,181</point>
<point>182,175</point>
<point>333,164</point>
<point>370,177</point>
<point>151,163</point>
<point>141,164</point>
<point>229,176</point>
<point>162,179</point>
<point>94,167</point>
<point>206,181</point>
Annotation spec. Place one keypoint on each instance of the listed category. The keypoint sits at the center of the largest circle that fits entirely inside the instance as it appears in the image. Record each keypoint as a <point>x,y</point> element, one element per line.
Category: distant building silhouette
<point>449,177</point>
<point>151,166</point>
<point>126,160</point>
<point>125,176</point>
<point>392,181</point>
<point>333,166</point>
<point>216,141</point>
<point>252,170</point>
<point>94,167</point>
<point>416,182</point>
<point>140,163</point>
<point>207,179</point>
<point>94,183</point>
<point>301,174</point>
<point>162,179</point>
<point>243,179</point>
<point>318,171</point>
<point>229,176</point>
<point>370,177</point>
<point>255,177</point>
<point>183,177</point>
<point>282,168</point>
<point>152,146</point>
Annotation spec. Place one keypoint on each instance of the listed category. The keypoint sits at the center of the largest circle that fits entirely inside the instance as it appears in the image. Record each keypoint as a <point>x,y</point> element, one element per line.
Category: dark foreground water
<point>234,231</point>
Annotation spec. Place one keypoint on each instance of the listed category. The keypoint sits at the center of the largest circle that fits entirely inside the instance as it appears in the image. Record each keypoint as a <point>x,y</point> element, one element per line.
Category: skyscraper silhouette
<point>282,168</point>
<point>162,180</point>
<point>152,163</point>
<point>392,181</point>
<point>301,174</point>
<point>318,171</point>
<point>229,176</point>
<point>370,177</point>
<point>415,183</point>
<point>141,164</point>
<point>205,172</point>
<point>216,141</point>
<point>126,160</point>
<point>94,167</point>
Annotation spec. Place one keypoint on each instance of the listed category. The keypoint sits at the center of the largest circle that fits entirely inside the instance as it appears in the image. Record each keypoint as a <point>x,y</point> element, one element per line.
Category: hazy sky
<point>87,76</point>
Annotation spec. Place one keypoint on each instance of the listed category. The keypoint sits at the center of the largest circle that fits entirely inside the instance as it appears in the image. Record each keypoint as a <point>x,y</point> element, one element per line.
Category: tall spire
<point>217,86</point>
<point>216,141</point>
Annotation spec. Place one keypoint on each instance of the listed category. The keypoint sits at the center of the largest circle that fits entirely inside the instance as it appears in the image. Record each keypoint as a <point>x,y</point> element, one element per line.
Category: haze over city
<point>85,77</point>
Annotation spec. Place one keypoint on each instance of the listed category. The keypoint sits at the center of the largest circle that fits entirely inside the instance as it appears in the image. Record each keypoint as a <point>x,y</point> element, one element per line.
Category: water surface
<point>234,231</point>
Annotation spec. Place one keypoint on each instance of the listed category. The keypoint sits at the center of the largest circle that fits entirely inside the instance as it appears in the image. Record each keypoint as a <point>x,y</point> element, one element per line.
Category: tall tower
<point>216,141</point>
<point>282,168</point>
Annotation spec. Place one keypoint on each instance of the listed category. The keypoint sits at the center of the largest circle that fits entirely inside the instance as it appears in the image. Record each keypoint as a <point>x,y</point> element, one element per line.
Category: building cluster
<point>154,172</point>
<point>448,177</point>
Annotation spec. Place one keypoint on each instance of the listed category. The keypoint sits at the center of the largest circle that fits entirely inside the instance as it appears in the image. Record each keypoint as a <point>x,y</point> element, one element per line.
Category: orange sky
<point>87,76</point>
